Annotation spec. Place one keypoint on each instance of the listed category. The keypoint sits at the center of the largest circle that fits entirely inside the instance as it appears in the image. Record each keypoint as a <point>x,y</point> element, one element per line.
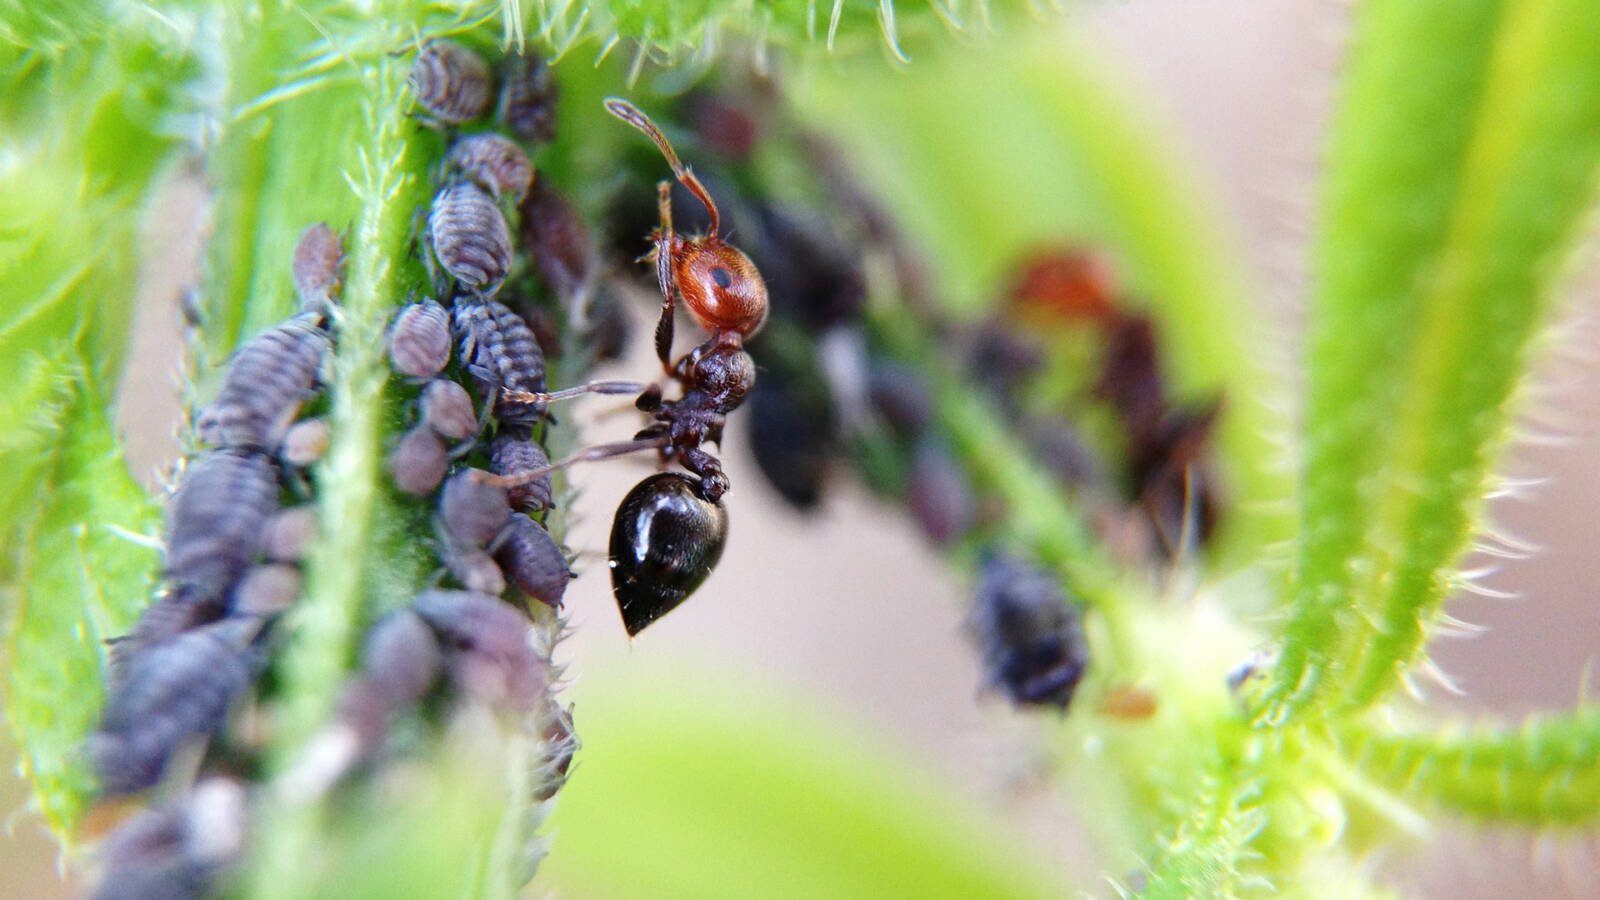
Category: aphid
<point>267,381</point>
<point>665,539</point>
<point>557,241</point>
<point>1056,445</point>
<point>1175,485</point>
<point>306,442</point>
<point>726,127</point>
<point>1029,633</point>
<point>291,533</point>
<point>791,435</point>
<point>418,463</point>
<point>174,693</point>
<point>487,650</point>
<point>469,236</point>
<point>725,293</point>
<point>266,590</point>
<point>1130,377</point>
<point>528,97</point>
<point>1003,359</point>
<point>177,850</point>
<point>475,569</point>
<point>318,266</point>
<point>419,340</point>
<point>452,84</point>
<point>494,163</point>
<point>501,354</point>
<point>473,512</point>
<point>940,494</point>
<point>514,450</point>
<point>901,397</point>
<point>216,524</point>
<point>533,561</point>
<point>447,409</point>
<point>814,276</point>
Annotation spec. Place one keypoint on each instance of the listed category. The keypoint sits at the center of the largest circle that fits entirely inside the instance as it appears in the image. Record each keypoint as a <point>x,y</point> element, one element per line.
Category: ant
<point>725,293</point>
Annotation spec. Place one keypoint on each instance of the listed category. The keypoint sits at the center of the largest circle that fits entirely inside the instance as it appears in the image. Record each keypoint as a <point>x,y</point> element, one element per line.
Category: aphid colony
<point>234,548</point>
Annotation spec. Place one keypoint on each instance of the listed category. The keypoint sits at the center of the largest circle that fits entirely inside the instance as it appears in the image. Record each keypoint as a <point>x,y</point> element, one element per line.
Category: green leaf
<point>1544,773</point>
<point>86,564</point>
<point>702,786</point>
<point>1457,181</point>
<point>1048,151</point>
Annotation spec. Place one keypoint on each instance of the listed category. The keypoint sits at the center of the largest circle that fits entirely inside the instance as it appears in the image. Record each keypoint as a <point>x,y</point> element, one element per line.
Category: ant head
<point>720,285</point>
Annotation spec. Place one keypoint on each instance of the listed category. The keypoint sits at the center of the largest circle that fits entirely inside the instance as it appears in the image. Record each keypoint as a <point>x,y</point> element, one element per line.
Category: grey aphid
<point>216,523</point>
<point>176,850</point>
<point>306,442</point>
<point>941,495</point>
<point>172,694</point>
<point>470,237</point>
<point>318,266</point>
<point>447,409</point>
<point>419,340</point>
<point>473,512</point>
<point>528,97</point>
<point>419,461</point>
<point>401,655</point>
<point>514,450</point>
<point>291,533</point>
<point>452,84</point>
<point>476,570</point>
<point>533,561</point>
<point>266,590</point>
<point>266,383</point>
<point>500,352</point>
<point>490,657</point>
<point>1029,633</point>
<point>494,163</point>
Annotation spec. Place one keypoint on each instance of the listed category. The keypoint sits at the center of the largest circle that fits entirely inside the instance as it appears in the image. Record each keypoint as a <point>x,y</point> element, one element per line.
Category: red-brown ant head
<point>720,285</point>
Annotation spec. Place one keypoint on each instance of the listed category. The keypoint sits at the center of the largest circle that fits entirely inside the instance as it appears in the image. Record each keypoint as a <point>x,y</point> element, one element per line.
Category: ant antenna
<point>631,114</point>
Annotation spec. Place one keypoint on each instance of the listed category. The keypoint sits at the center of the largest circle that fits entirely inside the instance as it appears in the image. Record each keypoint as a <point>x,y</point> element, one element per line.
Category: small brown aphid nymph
<point>452,83</point>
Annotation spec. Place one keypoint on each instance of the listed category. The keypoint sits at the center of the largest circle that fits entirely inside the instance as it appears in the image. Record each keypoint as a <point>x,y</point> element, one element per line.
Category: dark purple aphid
<point>1056,444</point>
<point>472,511</point>
<point>533,561</point>
<point>306,442</point>
<point>609,327</point>
<point>1003,359</point>
<point>557,241</point>
<point>1030,635</point>
<point>291,533</point>
<point>500,352</point>
<point>419,341</point>
<point>940,494</point>
<point>470,237</point>
<point>791,436</point>
<point>514,450</point>
<point>174,851</point>
<point>318,267</point>
<point>447,409</point>
<point>402,656</point>
<point>171,694</point>
<point>487,648</point>
<point>216,523</point>
<point>901,397</point>
<point>665,540</point>
<point>418,463</point>
<point>812,274</point>
<point>494,163</point>
<point>266,590</point>
<point>528,97</point>
<point>452,84</point>
<point>266,382</point>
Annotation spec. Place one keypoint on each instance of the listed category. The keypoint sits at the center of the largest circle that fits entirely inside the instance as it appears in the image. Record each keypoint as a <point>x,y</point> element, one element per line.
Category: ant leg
<point>713,483</point>
<point>664,239</point>
<point>593,387</point>
<point>592,454</point>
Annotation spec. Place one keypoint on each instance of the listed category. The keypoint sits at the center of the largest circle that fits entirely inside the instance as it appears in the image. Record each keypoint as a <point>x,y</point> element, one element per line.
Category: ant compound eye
<point>664,542</point>
<point>722,277</point>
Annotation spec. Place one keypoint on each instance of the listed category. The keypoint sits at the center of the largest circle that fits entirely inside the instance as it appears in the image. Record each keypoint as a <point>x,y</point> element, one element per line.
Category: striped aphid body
<point>452,83</point>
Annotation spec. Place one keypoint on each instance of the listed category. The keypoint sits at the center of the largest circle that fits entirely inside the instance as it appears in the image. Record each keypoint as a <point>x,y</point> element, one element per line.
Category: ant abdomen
<point>665,540</point>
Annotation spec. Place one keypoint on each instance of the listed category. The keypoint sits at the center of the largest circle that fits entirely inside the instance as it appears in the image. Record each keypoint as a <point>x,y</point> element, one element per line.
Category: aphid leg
<point>664,240</point>
<point>593,387</point>
<point>591,454</point>
<point>437,279</point>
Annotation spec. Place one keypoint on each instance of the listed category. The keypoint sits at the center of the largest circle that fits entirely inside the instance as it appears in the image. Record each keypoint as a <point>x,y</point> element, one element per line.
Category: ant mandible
<point>725,293</point>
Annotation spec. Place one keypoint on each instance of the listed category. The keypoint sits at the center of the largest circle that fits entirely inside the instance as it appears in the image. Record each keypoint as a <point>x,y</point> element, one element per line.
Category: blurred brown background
<point>850,605</point>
